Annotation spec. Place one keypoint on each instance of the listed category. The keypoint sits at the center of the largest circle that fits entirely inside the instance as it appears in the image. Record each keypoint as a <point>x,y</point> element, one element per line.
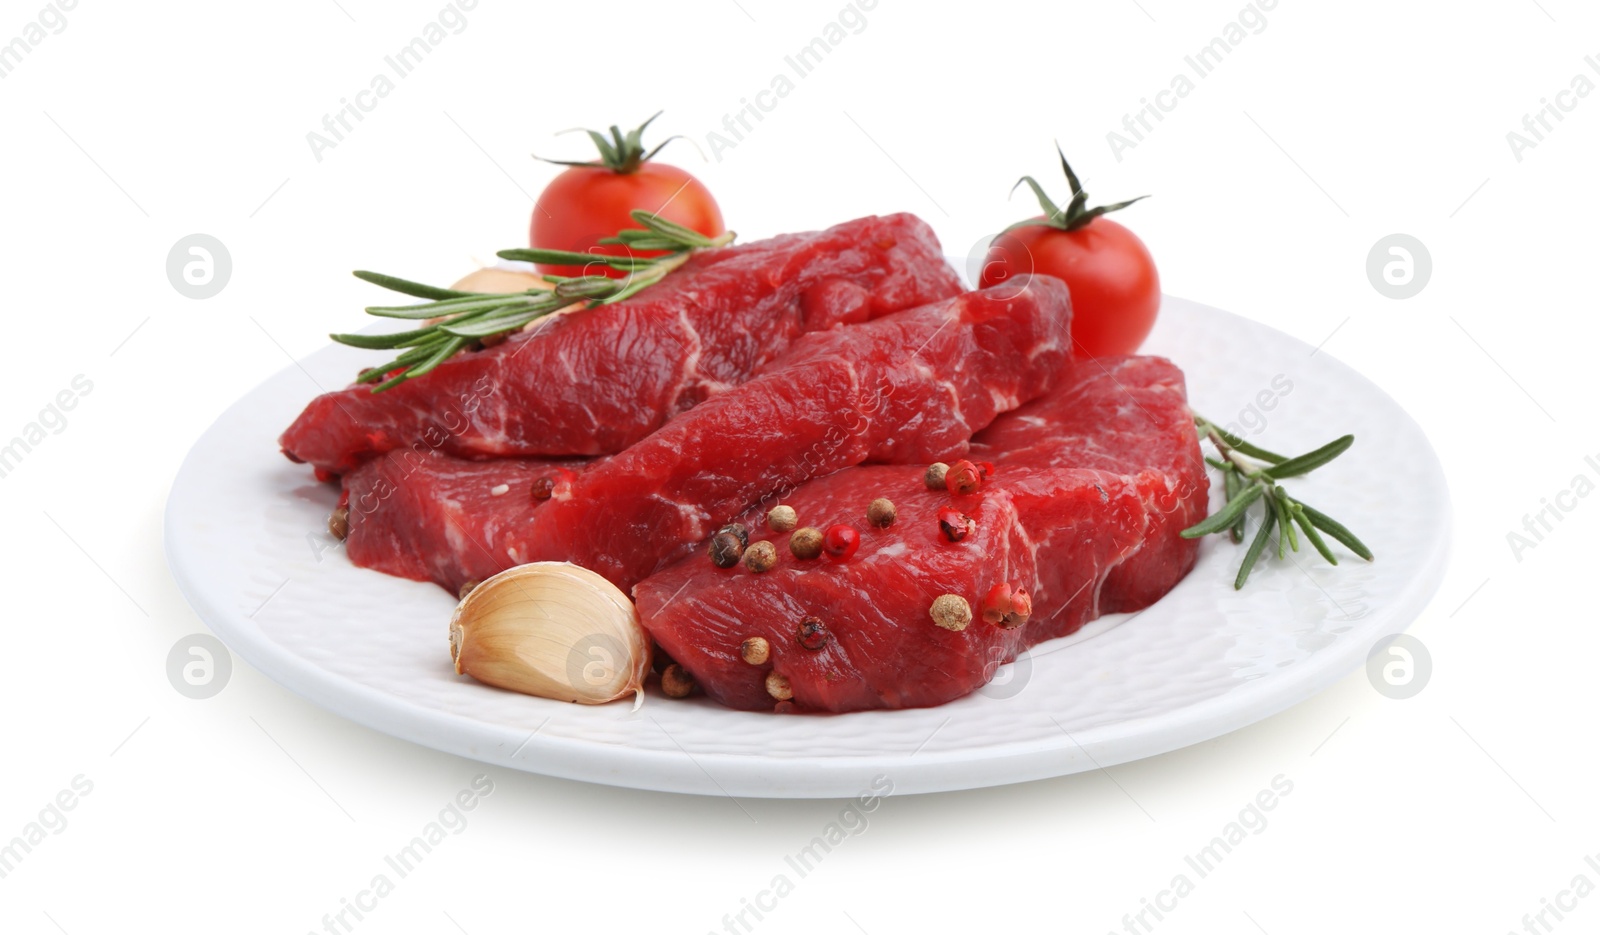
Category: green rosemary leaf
<point>671,229</point>
<point>587,287</point>
<point>629,235</point>
<point>1251,554</point>
<point>649,241</point>
<point>413,356</point>
<point>407,287</point>
<point>571,258</point>
<point>1333,528</point>
<point>446,350</point>
<point>1290,512</point>
<point>1244,447</point>
<point>1230,489</point>
<point>443,310</point>
<point>1286,533</point>
<point>467,303</point>
<point>1312,534</point>
<point>495,324</point>
<point>1306,463</point>
<point>381,342</point>
<point>1224,517</point>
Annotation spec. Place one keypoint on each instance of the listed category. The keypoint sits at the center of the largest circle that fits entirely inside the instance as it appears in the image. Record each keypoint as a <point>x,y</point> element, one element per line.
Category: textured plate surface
<point>246,539</point>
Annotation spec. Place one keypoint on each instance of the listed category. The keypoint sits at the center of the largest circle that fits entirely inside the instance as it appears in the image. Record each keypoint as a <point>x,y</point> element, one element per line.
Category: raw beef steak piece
<point>597,380</point>
<point>909,387</point>
<point>1091,485</point>
<point>429,516</point>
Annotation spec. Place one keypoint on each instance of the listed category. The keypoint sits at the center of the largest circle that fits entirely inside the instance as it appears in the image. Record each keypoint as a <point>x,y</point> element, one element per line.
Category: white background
<point>1458,810</point>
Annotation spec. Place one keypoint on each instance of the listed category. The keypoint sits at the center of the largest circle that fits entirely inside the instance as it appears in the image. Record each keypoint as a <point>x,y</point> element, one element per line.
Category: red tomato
<point>1115,290</point>
<point>590,201</point>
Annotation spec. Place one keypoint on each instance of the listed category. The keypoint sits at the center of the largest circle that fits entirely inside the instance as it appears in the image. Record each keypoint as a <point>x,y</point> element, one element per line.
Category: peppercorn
<point>841,541</point>
<point>755,650</point>
<point>963,478</point>
<point>1006,607</point>
<point>955,524</point>
<point>778,687</point>
<point>339,523</point>
<point>806,542</point>
<point>740,530</point>
<point>761,556</point>
<point>934,478</point>
<point>676,682</point>
<point>726,550</point>
<point>880,513</point>
<point>782,518</point>
<point>543,487</point>
<point>812,634</point>
<point>951,611</point>
<point>1021,605</point>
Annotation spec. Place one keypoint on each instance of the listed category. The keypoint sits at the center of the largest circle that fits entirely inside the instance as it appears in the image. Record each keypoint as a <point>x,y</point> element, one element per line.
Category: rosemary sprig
<point>456,320</point>
<point>1251,474</point>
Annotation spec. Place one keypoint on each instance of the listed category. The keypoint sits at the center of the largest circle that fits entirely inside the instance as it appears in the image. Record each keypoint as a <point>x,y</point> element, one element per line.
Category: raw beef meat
<point>596,381</point>
<point>1091,485</point>
<point>429,516</point>
<point>910,387</point>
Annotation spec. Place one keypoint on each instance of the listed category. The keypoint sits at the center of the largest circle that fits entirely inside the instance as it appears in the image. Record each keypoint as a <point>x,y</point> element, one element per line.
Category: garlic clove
<point>494,279</point>
<point>551,629</point>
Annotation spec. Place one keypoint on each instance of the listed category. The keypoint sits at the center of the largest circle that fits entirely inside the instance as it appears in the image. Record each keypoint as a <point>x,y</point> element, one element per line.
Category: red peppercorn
<point>1007,607</point>
<point>543,487</point>
<point>996,602</point>
<point>812,634</point>
<point>954,524</point>
<point>323,475</point>
<point>963,478</point>
<point>841,541</point>
<point>986,468</point>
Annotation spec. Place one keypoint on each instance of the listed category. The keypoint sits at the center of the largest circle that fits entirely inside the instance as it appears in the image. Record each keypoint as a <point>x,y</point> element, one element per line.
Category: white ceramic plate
<point>246,538</point>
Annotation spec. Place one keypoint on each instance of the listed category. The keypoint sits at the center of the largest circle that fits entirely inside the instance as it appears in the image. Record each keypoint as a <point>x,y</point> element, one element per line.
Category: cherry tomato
<point>1116,292</point>
<point>1115,289</point>
<point>590,201</point>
